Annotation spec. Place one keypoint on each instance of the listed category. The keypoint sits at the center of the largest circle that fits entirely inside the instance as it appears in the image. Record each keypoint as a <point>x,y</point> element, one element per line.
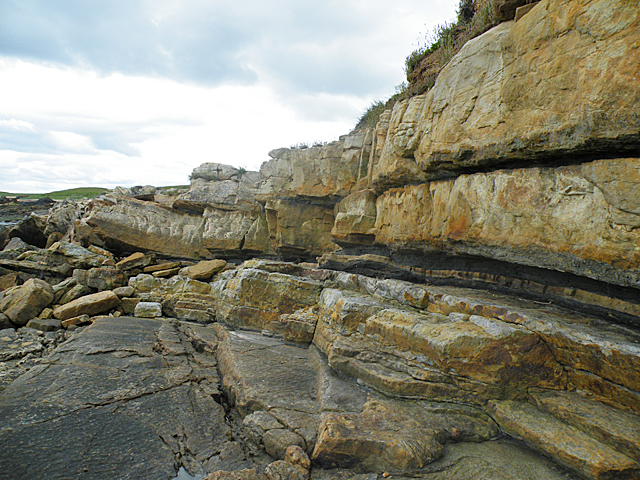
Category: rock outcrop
<point>478,274</point>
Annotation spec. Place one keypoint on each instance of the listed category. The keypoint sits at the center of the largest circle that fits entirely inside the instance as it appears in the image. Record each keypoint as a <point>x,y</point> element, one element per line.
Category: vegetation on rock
<point>423,65</point>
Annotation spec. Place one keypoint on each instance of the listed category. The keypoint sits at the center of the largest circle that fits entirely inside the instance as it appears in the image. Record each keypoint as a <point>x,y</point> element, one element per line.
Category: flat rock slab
<point>122,399</point>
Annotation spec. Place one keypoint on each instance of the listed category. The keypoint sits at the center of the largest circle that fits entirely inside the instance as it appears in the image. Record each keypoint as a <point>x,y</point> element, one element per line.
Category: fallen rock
<point>135,260</point>
<point>9,280</point>
<point>278,440</point>
<point>124,291</point>
<point>79,320</point>
<point>129,304</point>
<point>148,310</point>
<point>61,288</point>
<point>166,273</point>
<point>297,456</point>
<point>101,278</point>
<point>44,324</point>
<point>87,305</point>
<point>27,301</point>
<point>281,470</point>
<point>75,292</point>
<point>161,266</point>
<point>205,269</point>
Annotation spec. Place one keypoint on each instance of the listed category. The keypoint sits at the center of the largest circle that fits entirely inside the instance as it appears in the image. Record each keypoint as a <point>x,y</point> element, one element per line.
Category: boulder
<point>27,301</point>
<point>205,269</point>
<point>9,280</point>
<point>148,310</point>
<point>135,260</point>
<point>101,278</point>
<point>74,292</point>
<point>88,305</point>
<point>45,325</point>
<point>79,320</point>
<point>30,229</point>
<point>282,470</point>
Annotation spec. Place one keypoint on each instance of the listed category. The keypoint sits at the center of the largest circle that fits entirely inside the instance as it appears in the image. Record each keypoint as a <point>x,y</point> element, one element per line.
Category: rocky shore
<point>454,294</point>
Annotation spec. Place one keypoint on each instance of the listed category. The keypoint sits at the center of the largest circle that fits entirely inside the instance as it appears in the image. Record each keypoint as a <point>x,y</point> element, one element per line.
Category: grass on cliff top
<point>422,66</point>
<point>72,193</point>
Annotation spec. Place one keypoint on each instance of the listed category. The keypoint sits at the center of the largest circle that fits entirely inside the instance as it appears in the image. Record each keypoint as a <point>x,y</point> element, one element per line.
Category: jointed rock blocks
<point>508,195</point>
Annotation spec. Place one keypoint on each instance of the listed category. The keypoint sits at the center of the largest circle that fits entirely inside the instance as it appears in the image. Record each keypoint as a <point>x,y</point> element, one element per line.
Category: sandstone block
<point>44,324</point>
<point>124,291</point>
<point>79,320</point>
<point>148,310</point>
<point>101,278</point>
<point>162,266</point>
<point>281,470</point>
<point>135,260</point>
<point>129,304</point>
<point>166,273</point>
<point>75,292</point>
<point>27,301</point>
<point>62,288</point>
<point>205,269</point>
<point>89,305</point>
<point>277,441</point>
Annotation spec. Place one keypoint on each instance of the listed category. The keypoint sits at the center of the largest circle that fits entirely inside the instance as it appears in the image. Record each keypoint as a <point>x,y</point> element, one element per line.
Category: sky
<point>140,92</point>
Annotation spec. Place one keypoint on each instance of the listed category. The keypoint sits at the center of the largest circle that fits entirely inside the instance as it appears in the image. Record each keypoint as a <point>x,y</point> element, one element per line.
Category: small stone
<point>53,238</point>
<point>74,293</point>
<point>148,310</point>
<point>294,454</point>
<point>46,313</point>
<point>166,273</point>
<point>124,291</point>
<point>79,320</point>
<point>277,441</point>
<point>9,280</point>
<point>5,322</point>
<point>135,260</point>
<point>129,304</point>
<point>45,324</point>
<point>162,266</point>
<point>63,287</point>
<point>206,269</point>
<point>281,470</point>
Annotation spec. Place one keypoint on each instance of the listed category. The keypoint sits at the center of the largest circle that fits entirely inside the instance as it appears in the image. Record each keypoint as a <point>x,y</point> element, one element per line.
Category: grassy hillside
<point>88,192</point>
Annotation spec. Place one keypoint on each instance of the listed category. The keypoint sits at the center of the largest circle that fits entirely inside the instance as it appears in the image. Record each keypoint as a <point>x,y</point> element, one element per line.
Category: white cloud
<point>138,92</point>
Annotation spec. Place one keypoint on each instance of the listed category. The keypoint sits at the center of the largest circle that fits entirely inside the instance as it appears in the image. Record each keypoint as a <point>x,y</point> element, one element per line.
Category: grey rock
<point>45,324</point>
<point>148,310</point>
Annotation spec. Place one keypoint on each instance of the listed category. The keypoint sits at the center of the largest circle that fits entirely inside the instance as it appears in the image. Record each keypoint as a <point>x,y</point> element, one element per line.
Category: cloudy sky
<point>140,92</point>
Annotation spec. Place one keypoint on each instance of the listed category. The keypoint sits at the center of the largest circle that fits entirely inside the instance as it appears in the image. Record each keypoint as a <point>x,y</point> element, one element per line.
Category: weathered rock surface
<point>108,387</point>
<point>87,305</point>
<point>524,92</point>
<point>27,301</point>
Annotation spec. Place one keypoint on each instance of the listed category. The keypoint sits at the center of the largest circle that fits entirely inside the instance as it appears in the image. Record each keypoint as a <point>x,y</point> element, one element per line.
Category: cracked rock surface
<point>127,398</point>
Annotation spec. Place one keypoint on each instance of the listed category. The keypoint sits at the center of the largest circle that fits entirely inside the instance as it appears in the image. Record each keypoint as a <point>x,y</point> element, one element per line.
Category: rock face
<point>478,274</point>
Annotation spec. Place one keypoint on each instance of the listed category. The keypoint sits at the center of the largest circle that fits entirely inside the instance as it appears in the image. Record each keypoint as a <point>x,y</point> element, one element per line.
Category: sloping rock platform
<point>133,398</point>
<point>123,399</point>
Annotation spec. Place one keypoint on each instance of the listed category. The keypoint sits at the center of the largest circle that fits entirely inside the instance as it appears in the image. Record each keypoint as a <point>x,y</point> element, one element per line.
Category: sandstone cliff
<point>477,253</point>
<point>518,169</point>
